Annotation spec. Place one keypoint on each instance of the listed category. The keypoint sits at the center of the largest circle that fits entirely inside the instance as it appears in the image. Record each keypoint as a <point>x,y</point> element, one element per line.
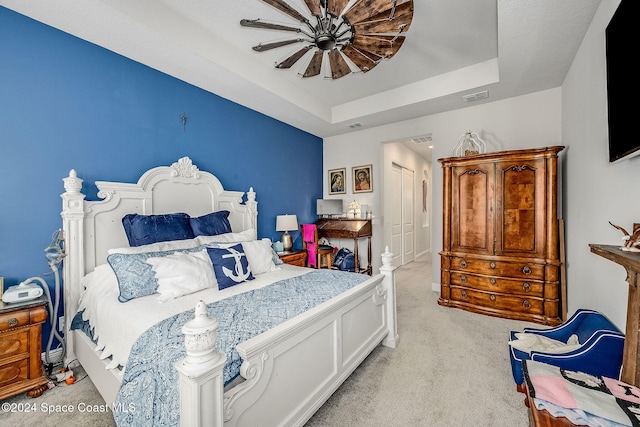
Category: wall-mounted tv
<point>621,42</point>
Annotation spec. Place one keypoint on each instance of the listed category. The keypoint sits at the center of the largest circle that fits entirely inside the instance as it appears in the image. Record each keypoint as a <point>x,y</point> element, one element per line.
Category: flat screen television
<point>621,42</point>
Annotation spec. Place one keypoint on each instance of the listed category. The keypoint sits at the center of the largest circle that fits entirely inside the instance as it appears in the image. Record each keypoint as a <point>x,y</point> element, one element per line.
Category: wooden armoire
<point>500,252</point>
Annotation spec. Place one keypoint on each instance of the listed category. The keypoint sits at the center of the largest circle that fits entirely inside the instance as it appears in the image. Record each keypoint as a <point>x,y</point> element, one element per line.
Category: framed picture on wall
<point>361,176</point>
<point>337,179</point>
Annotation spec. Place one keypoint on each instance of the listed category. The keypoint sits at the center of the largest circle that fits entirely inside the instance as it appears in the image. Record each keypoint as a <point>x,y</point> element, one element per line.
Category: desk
<point>343,228</point>
<point>631,262</point>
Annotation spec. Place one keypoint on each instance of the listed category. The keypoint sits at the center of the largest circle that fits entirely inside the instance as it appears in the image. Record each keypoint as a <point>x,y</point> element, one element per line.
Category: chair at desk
<point>315,252</point>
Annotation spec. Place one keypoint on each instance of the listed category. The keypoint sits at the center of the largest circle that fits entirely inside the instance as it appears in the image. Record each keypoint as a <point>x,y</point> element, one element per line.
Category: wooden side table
<point>295,257</point>
<point>21,348</point>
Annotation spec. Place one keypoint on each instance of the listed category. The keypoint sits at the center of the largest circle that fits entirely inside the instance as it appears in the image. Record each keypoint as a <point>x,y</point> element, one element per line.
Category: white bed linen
<point>117,325</point>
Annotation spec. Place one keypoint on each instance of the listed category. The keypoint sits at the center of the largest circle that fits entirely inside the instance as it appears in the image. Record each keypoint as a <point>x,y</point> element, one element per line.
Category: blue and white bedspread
<point>150,384</point>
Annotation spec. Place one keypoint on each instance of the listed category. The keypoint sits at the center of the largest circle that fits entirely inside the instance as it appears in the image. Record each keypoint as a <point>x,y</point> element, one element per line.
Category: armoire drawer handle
<point>526,269</point>
<point>526,304</point>
<point>464,293</point>
<point>526,287</point>
<point>492,265</point>
<point>463,264</point>
<point>12,322</point>
<point>492,281</point>
<point>492,297</point>
<point>463,278</point>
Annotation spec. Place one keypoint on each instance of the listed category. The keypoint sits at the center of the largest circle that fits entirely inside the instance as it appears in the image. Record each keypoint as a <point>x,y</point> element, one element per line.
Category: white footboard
<point>291,370</point>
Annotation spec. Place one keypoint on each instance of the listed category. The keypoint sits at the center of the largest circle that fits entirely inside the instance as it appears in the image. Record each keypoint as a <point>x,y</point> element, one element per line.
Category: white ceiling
<point>453,48</point>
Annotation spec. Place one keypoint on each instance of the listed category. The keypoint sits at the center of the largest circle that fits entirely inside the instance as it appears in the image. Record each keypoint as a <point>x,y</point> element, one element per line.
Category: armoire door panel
<point>473,209</point>
<point>520,197</point>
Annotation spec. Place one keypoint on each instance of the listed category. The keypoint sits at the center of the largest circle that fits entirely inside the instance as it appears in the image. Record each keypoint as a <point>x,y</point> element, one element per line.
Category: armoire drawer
<point>524,270</point>
<point>498,284</point>
<point>497,301</point>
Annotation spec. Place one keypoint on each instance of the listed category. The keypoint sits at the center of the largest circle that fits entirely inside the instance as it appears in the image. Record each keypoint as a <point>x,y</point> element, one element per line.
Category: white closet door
<point>396,215</point>
<point>408,228</point>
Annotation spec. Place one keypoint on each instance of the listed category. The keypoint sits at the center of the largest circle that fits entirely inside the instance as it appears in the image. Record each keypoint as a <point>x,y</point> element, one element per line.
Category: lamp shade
<point>286,222</point>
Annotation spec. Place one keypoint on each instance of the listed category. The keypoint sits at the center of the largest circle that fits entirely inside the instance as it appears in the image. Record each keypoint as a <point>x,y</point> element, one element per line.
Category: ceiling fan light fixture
<point>376,27</point>
<point>325,42</point>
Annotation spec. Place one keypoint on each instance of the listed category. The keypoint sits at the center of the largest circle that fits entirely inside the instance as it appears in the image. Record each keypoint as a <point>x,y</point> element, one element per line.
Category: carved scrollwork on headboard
<point>185,168</point>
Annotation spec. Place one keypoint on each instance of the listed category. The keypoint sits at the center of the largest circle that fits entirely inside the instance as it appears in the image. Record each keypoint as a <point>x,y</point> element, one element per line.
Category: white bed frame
<point>289,371</point>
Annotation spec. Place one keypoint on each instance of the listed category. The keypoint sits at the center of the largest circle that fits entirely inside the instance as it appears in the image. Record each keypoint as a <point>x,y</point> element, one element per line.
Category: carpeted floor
<point>451,368</point>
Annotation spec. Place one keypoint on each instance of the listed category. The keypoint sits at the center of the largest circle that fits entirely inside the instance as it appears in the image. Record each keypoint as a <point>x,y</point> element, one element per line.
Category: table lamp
<point>286,223</point>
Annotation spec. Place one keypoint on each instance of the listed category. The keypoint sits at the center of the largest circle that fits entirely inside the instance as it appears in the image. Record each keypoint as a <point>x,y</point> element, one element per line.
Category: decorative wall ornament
<point>469,144</point>
<point>630,242</point>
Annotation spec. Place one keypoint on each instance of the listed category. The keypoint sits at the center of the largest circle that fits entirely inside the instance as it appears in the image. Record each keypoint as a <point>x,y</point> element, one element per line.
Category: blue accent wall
<point>68,104</point>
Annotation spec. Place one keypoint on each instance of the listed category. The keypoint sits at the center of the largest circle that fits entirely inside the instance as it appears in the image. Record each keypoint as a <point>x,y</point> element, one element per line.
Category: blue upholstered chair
<point>599,351</point>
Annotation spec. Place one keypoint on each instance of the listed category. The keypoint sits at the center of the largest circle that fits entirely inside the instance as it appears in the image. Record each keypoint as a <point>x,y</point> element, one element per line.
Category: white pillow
<point>172,245</point>
<point>182,273</point>
<point>533,342</point>
<point>259,256</point>
<point>176,245</point>
<point>243,236</point>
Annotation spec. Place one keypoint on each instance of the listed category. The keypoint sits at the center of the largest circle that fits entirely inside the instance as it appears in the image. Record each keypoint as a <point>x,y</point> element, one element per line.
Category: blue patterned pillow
<point>136,277</point>
<point>146,229</point>
<point>211,224</point>
<point>230,265</point>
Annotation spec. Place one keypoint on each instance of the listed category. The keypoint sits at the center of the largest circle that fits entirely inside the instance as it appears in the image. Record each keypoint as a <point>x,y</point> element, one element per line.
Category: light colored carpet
<point>451,368</point>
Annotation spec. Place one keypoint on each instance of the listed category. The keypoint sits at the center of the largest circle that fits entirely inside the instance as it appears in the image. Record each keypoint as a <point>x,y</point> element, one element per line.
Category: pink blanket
<point>308,236</point>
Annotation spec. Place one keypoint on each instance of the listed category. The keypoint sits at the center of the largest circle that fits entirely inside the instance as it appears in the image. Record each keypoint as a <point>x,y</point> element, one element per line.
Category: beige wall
<point>522,122</point>
<point>595,191</point>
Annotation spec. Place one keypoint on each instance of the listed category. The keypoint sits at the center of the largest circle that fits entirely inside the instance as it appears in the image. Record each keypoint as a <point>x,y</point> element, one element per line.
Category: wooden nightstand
<point>295,257</point>
<point>21,348</point>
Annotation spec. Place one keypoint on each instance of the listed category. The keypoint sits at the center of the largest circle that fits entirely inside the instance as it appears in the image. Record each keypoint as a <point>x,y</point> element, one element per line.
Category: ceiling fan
<point>363,32</point>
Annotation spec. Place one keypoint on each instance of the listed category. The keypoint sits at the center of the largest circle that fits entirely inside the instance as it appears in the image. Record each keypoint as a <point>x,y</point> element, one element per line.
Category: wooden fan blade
<point>360,59</point>
<point>256,23</point>
<point>267,46</point>
<point>314,7</point>
<point>339,67</point>
<point>382,24</point>
<point>379,45</point>
<point>336,7</point>
<point>284,7</point>
<point>313,69</point>
<point>287,63</point>
<point>363,10</point>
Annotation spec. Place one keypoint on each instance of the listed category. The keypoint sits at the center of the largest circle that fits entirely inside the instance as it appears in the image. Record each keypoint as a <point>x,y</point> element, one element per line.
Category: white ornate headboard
<point>91,228</point>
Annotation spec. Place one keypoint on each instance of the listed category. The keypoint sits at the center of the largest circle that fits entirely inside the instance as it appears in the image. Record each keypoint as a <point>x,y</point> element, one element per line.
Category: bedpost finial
<point>251,195</point>
<point>72,184</point>
<point>387,257</point>
<point>200,334</point>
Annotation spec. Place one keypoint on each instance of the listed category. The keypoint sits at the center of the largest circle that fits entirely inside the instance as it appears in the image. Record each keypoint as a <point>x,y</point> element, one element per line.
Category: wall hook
<point>184,120</point>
